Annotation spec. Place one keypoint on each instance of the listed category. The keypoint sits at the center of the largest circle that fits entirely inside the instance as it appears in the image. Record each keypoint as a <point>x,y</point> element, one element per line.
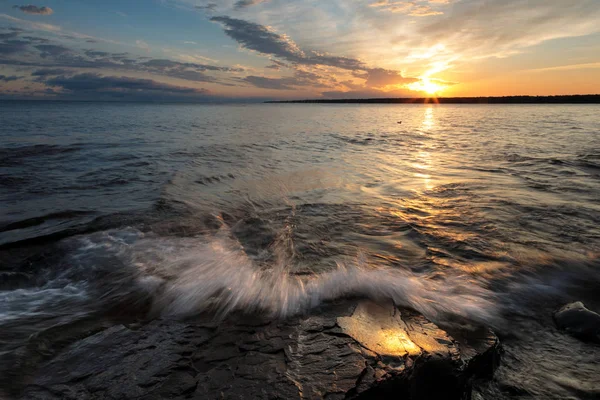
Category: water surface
<point>471,214</point>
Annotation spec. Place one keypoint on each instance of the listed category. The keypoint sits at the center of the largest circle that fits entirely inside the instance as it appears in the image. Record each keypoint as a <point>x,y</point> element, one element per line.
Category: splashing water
<point>191,275</point>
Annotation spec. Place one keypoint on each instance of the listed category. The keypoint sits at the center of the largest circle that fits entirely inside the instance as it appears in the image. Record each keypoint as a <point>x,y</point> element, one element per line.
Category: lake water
<point>471,214</point>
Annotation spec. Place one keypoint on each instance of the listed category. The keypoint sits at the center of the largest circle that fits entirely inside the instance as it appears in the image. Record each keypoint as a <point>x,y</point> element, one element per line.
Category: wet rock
<point>358,351</point>
<point>578,321</point>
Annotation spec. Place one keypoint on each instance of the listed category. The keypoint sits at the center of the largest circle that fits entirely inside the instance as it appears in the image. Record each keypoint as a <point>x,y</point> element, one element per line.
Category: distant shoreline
<point>568,99</point>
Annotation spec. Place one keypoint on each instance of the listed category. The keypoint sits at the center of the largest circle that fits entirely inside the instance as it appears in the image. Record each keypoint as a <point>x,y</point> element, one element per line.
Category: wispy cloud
<point>571,67</point>
<point>413,8</point>
<point>142,45</point>
<point>31,24</point>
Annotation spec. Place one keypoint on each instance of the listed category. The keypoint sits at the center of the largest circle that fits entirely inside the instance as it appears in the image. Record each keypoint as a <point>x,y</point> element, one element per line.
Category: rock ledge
<point>348,351</point>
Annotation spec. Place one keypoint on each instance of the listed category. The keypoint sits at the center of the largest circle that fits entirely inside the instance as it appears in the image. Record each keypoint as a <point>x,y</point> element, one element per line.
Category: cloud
<point>94,85</point>
<point>96,82</point>
<point>4,78</point>
<point>413,8</point>
<point>50,71</point>
<point>51,50</point>
<point>266,41</point>
<point>277,65</point>
<point>260,38</point>
<point>9,35</point>
<point>37,53</point>
<point>8,47</point>
<point>240,4</point>
<point>31,9</point>
<point>270,83</point>
<point>501,28</point>
<point>300,79</point>
<point>31,24</point>
<point>208,7</point>
<point>379,77</point>
<point>36,39</point>
<point>43,74</point>
<point>142,45</point>
<point>595,65</point>
<point>95,53</point>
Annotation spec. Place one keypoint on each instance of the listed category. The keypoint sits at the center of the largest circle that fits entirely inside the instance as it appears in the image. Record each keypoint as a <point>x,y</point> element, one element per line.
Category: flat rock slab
<point>358,350</point>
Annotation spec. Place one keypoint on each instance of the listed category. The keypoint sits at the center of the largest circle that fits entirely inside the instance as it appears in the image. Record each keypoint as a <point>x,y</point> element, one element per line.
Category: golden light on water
<point>428,120</point>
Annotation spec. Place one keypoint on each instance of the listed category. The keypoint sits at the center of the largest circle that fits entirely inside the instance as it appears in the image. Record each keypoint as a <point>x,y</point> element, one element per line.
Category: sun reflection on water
<point>428,120</point>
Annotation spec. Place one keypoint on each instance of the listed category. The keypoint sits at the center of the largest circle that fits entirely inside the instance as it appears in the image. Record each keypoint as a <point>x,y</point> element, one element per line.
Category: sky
<point>253,50</point>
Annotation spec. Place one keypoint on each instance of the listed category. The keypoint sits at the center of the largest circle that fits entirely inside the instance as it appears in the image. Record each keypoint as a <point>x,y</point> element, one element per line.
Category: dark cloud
<point>97,82</point>
<point>43,74</point>
<point>31,9</point>
<point>300,78</point>
<point>92,85</point>
<point>240,4</point>
<point>8,47</point>
<point>277,65</point>
<point>187,71</point>
<point>36,39</point>
<point>260,38</point>
<point>58,56</point>
<point>95,53</point>
<point>270,83</point>
<point>51,50</point>
<point>9,35</point>
<point>42,53</point>
<point>50,71</point>
<point>266,41</point>
<point>164,64</point>
<point>4,78</point>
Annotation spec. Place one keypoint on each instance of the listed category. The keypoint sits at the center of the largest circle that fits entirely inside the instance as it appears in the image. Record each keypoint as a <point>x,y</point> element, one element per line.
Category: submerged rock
<point>359,351</point>
<point>580,322</point>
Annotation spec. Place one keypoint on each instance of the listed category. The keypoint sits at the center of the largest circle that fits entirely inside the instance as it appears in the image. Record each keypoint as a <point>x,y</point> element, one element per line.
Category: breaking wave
<point>185,276</point>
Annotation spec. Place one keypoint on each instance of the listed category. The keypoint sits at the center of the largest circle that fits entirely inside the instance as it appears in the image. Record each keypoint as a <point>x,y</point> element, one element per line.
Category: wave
<point>135,272</point>
<point>187,276</point>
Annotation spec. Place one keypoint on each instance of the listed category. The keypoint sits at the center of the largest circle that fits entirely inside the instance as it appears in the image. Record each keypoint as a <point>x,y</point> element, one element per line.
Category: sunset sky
<point>290,49</point>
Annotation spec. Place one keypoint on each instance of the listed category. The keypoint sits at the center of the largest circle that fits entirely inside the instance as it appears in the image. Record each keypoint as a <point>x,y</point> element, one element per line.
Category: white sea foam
<point>186,276</point>
<point>192,275</point>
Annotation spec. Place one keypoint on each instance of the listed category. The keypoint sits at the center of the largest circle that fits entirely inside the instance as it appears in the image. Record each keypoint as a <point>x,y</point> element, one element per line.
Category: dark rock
<point>361,352</point>
<point>578,321</point>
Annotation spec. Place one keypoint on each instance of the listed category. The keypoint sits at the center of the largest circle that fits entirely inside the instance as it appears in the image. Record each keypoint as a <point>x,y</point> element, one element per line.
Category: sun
<point>427,86</point>
<point>431,88</point>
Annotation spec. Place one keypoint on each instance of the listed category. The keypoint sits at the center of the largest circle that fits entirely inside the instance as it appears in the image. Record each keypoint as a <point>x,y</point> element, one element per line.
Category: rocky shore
<point>355,350</point>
